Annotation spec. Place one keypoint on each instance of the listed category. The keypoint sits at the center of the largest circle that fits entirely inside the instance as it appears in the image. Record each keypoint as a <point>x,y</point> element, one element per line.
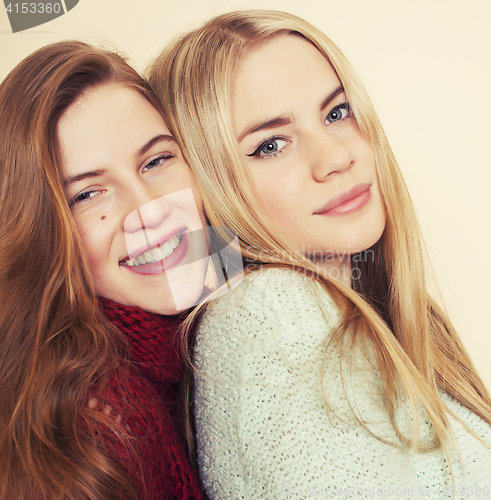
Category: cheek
<point>189,200</point>
<point>362,149</point>
<point>96,244</point>
<point>274,192</point>
<point>199,205</point>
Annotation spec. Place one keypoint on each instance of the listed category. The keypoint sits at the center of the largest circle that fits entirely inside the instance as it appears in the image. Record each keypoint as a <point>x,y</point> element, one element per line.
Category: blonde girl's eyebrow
<point>331,97</point>
<point>155,140</point>
<point>269,124</point>
<point>280,121</point>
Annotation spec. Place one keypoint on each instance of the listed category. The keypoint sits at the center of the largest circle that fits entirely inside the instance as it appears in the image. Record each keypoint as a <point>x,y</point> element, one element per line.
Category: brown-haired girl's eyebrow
<point>97,173</point>
<point>84,175</point>
<point>331,96</point>
<point>155,140</point>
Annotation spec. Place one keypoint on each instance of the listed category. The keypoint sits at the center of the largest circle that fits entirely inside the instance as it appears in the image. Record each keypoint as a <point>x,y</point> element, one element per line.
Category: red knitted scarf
<point>145,402</point>
<point>153,340</point>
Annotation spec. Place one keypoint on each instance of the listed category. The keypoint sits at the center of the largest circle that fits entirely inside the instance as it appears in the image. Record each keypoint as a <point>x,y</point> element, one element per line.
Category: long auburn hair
<point>417,351</point>
<point>54,341</point>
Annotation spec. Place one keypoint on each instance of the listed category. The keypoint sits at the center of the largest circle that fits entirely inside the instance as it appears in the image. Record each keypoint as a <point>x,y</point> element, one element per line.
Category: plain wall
<point>426,64</point>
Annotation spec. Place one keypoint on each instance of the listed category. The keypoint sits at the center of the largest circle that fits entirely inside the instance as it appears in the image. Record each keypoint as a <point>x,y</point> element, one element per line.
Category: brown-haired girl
<point>96,208</point>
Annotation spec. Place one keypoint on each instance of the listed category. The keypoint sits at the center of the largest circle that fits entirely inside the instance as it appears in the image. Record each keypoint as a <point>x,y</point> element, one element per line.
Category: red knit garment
<point>142,400</point>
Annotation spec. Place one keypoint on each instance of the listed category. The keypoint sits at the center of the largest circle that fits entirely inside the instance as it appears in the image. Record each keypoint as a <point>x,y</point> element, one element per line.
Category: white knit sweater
<point>263,430</point>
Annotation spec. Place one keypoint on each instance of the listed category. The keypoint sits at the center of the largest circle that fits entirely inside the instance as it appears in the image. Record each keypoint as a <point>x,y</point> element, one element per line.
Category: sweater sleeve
<point>262,425</point>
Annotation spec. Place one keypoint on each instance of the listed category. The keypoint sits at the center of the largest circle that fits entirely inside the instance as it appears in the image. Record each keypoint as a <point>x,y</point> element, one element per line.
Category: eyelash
<point>165,156</point>
<point>343,106</point>
<point>79,198</point>
<point>258,151</point>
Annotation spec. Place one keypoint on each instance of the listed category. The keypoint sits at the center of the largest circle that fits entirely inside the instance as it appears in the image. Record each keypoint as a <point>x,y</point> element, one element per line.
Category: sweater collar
<point>153,339</point>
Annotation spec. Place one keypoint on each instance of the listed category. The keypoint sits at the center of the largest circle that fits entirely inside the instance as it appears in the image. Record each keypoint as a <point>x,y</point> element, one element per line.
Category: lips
<point>159,260</point>
<point>347,202</point>
<point>155,253</point>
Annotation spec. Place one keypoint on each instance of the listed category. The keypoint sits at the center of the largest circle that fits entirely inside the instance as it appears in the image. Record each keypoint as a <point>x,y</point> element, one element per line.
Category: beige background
<point>426,64</point>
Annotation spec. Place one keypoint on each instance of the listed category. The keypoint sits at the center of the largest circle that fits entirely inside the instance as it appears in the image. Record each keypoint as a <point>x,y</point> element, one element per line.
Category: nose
<point>330,153</point>
<point>148,210</point>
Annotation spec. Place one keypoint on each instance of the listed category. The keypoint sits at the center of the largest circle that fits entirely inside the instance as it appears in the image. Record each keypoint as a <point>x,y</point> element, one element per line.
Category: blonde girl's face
<point>313,170</point>
<point>134,200</point>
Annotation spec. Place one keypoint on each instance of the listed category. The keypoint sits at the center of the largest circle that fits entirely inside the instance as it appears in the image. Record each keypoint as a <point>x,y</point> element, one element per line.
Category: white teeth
<point>155,254</point>
<point>167,249</point>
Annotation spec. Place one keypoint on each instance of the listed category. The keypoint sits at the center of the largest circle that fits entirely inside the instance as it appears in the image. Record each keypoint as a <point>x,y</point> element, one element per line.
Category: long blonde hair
<point>418,353</point>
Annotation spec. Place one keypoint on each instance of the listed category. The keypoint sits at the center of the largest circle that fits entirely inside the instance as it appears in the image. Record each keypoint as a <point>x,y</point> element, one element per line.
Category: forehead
<point>122,105</point>
<point>106,123</point>
<point>286,70</point>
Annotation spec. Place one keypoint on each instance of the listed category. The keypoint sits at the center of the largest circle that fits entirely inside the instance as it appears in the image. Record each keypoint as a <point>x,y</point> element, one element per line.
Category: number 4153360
<point>34,8</point>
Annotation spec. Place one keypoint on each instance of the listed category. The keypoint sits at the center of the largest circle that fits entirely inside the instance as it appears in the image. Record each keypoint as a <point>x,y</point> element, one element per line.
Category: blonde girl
<point>329,370</point>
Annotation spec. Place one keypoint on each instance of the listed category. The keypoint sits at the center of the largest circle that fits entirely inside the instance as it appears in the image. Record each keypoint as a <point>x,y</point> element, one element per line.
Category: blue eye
<point>338,113</point>
<point>270,147</point>
<point>157,162</point>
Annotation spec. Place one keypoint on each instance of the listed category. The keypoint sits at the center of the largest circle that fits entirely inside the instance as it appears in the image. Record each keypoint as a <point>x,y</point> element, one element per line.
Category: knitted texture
<point>141,399</point>
<point>263,428</point>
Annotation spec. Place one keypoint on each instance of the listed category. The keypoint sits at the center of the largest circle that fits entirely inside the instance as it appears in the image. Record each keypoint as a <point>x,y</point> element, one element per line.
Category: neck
<point>337,268</point>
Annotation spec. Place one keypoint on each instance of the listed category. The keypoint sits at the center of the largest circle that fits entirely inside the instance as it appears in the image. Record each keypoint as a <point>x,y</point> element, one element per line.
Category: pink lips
<point>347,202</point>
<point>162,266</point>
<point>153,244</point>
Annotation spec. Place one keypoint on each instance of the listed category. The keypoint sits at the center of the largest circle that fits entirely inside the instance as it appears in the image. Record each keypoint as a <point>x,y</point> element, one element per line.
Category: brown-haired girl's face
<point>134,200</point>
<point>313,170</point>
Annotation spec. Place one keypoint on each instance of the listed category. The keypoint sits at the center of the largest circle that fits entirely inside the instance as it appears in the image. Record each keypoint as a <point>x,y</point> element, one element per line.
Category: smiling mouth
<point>156,254</point>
